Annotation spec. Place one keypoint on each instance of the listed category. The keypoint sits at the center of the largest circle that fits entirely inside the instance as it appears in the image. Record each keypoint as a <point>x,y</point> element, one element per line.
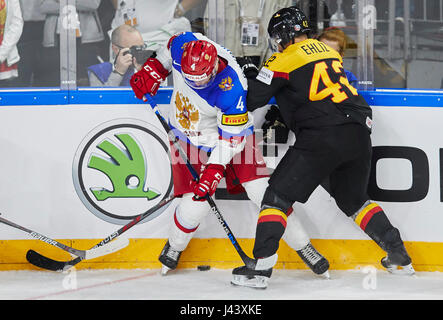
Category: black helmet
<point>286,24</point>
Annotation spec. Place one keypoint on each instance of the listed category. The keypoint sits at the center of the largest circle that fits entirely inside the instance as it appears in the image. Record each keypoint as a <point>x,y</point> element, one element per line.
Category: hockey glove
<point>209,180</point>
<point>148,79</point>
<point>274,127</point>
<point>248,67</point>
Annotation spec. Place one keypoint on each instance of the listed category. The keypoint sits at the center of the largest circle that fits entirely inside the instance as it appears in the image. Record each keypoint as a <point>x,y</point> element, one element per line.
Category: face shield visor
<point>273,43</point>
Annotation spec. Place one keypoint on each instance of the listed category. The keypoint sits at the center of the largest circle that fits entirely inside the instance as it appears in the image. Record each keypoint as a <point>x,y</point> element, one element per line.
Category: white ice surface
<point>215,285</point>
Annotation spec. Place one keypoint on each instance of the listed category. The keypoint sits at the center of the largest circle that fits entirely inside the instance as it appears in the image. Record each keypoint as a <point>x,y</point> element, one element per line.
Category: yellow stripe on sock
<point>272,211</point>
<point>362,213</point>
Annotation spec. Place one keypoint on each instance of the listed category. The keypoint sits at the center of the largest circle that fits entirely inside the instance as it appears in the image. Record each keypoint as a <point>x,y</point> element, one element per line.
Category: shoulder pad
<point>172,38</point>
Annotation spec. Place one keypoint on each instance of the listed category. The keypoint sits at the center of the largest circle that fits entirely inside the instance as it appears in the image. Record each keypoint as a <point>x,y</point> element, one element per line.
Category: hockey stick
<point>83,254</point>
<point>44,262</point>
<point>249,262</point>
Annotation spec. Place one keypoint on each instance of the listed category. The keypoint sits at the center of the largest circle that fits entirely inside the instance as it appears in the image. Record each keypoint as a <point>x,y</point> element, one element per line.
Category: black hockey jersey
<point>310,86</point>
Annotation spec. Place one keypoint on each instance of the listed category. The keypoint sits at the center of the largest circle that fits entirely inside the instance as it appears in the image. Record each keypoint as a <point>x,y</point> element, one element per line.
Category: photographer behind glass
<point>129,54</point>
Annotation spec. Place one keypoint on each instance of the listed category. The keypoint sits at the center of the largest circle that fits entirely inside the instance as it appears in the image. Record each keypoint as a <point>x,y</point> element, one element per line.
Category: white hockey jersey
<point>213,118</point>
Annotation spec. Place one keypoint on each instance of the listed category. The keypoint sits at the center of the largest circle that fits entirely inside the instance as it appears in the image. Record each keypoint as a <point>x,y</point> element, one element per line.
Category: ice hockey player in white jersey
<point>209,116</point>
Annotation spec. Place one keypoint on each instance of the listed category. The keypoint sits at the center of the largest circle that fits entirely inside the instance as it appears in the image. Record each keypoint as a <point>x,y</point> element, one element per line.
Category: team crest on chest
<point>186,114</point>
<point>226,84</point>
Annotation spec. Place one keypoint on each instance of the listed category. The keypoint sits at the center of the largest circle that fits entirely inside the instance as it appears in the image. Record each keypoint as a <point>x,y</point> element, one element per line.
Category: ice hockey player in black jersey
<point>332,124</point>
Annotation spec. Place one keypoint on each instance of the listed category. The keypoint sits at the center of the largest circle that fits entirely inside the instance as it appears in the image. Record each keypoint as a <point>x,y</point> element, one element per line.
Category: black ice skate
<point>243,276</point>
<point>169,258</point>
<point>314,260</point>
<point>398,261</point>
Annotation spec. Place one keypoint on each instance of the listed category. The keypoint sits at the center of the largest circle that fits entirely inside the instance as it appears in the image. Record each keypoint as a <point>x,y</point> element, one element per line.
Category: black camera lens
<point>140,53</point>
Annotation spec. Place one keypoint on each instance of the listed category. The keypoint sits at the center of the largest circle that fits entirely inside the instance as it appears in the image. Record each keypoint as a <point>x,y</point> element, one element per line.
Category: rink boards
<point>59,177</point>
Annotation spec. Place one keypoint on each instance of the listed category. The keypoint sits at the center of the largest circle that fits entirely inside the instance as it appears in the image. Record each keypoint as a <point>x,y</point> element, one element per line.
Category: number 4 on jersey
<point>240,104</point>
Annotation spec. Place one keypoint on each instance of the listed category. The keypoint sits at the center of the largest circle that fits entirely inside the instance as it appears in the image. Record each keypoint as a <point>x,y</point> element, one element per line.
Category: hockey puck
<point>203,268</point>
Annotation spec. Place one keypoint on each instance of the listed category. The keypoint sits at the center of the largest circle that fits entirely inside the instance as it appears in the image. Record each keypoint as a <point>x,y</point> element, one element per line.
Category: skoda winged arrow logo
<point>126,170</point>
<point>122,169</point>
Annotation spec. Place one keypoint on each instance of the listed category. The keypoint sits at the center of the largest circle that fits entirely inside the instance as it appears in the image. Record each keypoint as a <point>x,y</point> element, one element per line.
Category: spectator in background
<point>246,22</point>
<point>106,13</point>
<point>11,27</point>
<point>89,37</point>
<point>184,6</point>
<point>127,47</point>
<point>336,39</point>
<point>30,45</point>
<point>157,21</point>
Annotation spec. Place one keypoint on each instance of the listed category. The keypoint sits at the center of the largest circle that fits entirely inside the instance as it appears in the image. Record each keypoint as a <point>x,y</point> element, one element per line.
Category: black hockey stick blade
<point>45,263</point>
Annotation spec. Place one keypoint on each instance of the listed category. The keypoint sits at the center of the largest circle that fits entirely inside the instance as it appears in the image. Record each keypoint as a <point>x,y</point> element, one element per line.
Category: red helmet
<point>198,64</point>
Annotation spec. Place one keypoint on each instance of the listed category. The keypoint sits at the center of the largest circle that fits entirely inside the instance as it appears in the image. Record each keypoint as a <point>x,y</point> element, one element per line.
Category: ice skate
<point>243,276</point>
<point>398,262</point>
<point>164,270</point>
<point>314,260</point>
<point>169,258</point>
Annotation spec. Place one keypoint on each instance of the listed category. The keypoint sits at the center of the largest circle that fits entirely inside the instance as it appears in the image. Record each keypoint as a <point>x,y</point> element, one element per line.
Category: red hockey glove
<point>208,182</point>
<point>148,79</point>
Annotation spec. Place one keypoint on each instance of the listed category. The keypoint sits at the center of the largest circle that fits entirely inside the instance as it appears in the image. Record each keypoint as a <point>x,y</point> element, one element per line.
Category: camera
<point>139,53</point>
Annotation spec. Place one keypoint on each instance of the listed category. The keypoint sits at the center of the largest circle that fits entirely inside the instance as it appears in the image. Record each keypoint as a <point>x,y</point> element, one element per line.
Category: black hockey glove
<point>249,69</point>
<point>274,127</point>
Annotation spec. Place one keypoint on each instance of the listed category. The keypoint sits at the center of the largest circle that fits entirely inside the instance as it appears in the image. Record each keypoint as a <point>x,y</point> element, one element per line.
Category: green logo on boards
<point>121,169</point>
<point>126,169</point>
